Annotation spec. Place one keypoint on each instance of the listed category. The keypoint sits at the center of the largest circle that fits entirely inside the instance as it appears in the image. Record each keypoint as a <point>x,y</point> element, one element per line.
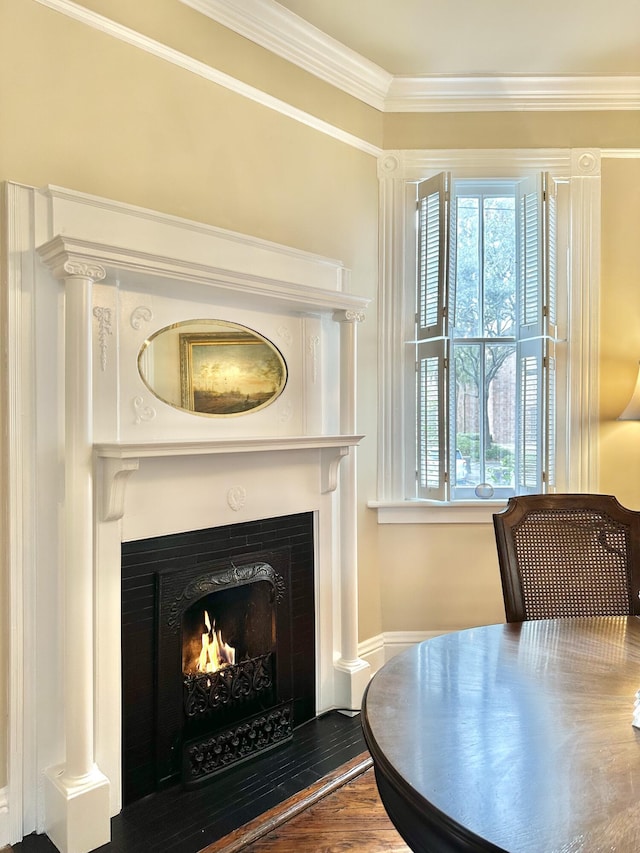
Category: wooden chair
<point>568,555</point>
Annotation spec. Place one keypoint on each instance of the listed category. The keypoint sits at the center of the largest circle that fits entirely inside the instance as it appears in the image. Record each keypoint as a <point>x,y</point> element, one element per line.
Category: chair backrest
<point>568,555</point>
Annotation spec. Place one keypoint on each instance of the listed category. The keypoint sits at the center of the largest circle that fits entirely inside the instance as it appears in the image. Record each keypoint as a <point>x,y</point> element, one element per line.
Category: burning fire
<point>215,653</point>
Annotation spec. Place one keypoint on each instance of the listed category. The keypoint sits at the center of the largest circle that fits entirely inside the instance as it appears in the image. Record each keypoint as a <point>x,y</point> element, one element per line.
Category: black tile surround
<point>146,561</point>
<point>179,821</point>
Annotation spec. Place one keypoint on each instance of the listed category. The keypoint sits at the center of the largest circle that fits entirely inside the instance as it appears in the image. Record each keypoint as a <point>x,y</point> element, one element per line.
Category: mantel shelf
<point>119,459</point>
<point>150,449</point>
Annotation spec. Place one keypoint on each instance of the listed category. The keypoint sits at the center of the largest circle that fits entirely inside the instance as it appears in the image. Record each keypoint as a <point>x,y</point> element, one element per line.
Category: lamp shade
<point>632,410</point>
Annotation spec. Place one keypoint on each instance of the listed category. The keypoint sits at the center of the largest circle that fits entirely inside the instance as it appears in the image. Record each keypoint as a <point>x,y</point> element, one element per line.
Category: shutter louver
<point>551,243</point>
<point>429,260</point>
<point>532,377</point>
<point>430,427</point>
<point>550,438</point>
<point>432,242</point>
<point>530,263</point>
<point>529,414</point>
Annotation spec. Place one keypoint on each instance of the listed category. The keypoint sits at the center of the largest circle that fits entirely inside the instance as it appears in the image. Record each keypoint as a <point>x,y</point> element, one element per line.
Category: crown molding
<point>401,94</point>
<point>514,92</point>
<point>280,31</point>
<point>270,25</point>
<point>620,153</point>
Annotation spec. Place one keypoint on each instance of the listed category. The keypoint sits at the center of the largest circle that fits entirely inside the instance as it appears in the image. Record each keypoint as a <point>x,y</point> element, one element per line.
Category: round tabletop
<point>513,737</point>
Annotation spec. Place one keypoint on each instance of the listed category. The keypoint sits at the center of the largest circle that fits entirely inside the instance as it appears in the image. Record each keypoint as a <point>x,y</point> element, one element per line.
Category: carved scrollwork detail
<point>82,269</point>
<point>313,345</point>
<point>286,413</point>
<point>215,581</point>
<point>103,316</point>
<point>284,332</point>
<point>140,315</point>
<point>349,316</point>
<point>142,411</point>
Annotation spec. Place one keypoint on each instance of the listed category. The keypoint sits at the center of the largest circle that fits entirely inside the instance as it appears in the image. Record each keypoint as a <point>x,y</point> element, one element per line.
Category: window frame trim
<point>398,172</point>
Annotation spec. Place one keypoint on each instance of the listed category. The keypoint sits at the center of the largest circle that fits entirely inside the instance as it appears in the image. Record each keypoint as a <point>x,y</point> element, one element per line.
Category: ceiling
<point>454,55</point>
<point>493,37</point>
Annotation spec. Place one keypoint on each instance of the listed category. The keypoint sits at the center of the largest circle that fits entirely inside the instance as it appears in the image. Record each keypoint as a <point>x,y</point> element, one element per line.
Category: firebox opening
<point>255,581</point>
<point>229,656</point>
<point>228,627</point>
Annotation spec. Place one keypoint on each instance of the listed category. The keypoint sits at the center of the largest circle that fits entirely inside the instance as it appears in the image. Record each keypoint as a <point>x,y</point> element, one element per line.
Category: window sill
<point>434,512</point>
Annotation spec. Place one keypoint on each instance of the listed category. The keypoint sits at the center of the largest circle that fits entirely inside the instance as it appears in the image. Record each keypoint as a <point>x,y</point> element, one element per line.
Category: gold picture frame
<point>229,372</point>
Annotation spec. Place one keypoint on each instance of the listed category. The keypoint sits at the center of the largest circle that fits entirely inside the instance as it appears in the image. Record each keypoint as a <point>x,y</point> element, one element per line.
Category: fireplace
<point>117,465</point>
<point>218,648</point>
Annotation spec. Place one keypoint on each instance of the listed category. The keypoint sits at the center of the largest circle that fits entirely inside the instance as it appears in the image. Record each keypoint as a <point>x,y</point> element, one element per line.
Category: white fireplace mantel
<point>119,460</point>
<point>88,282</point>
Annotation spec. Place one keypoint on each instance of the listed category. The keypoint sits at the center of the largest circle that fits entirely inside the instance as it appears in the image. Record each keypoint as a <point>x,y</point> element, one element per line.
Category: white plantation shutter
<point>534,372</point>
<point>529,414</point>
<point>431,327</point>
<point>550,420</point>
<point>432,260</point>
<point>531,259</point>
<point>551,246</point>
<point>451,214</point>
<point>550,242</point>
<point>431,424</point>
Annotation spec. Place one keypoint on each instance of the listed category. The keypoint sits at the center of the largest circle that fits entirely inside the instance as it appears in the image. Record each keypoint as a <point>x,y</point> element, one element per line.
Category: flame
<point>215,653</point>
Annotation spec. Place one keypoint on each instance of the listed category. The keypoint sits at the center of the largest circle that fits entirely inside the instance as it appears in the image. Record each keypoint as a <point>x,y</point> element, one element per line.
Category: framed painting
<point>229,372</point>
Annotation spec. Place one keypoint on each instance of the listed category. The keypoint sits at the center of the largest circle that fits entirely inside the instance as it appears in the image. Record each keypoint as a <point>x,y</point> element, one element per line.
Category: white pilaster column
<point>352,673</point>
<point>584,322</point>
<point>77,793</point>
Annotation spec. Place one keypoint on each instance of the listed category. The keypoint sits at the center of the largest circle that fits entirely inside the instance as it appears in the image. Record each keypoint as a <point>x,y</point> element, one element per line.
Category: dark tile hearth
<point>181,821</point>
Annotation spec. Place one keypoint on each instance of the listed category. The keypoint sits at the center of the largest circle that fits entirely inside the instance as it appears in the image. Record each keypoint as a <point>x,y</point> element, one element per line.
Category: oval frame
<point>226,371</point>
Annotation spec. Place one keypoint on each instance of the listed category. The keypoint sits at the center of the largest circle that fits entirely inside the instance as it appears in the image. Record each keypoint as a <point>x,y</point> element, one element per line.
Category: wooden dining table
<point>514,737</point>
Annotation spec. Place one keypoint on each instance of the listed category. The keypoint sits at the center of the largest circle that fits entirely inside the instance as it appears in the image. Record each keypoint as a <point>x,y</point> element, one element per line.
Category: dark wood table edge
<point>423,827</point>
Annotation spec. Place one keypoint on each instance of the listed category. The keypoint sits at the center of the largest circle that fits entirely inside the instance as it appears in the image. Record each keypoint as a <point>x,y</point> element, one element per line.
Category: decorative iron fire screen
<point>205,757</point>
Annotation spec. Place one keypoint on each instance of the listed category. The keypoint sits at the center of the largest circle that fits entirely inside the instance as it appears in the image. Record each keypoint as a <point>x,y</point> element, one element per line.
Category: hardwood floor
<point>343,813</point>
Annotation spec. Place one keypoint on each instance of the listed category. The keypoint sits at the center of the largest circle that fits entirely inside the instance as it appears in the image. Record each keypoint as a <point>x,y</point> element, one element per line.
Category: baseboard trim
<point>379,649</point>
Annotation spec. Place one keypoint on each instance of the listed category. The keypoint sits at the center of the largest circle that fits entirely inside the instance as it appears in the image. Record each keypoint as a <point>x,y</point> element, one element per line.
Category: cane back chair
<point>568,555</point>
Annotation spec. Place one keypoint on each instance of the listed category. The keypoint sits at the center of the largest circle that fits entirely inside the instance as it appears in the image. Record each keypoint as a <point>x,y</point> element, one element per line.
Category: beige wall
<point>439,577</point>
<point>185,30</point>
<point>83,110</point>
<point>620,329</point>
<point>513,130</point>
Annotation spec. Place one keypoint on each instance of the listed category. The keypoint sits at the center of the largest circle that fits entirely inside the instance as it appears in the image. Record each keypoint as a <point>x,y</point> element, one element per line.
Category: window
<point>485,336</point>
<point>488,329</point>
